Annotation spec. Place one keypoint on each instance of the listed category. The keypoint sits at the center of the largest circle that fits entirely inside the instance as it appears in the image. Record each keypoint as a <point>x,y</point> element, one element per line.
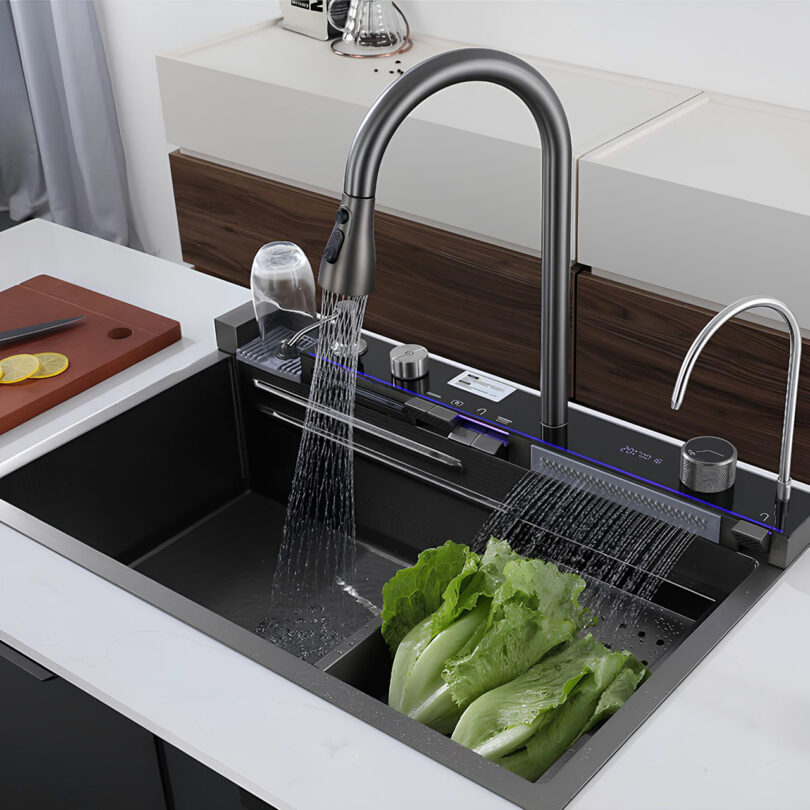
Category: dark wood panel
<point>629,348</point>
<point>465,299</point>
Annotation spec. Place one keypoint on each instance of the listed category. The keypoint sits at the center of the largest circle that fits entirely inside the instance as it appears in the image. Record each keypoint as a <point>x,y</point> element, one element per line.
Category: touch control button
<point>441,416</point>
<point>342,215</point>
<point>463,435</point>
<point>489,444</point>
<point>333,246</point>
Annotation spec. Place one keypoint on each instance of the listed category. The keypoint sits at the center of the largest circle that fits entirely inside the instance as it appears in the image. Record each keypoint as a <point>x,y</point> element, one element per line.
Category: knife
<point>37,329</point>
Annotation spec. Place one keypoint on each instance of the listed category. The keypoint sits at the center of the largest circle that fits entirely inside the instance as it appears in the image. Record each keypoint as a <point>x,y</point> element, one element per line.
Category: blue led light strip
<point>497,426</point>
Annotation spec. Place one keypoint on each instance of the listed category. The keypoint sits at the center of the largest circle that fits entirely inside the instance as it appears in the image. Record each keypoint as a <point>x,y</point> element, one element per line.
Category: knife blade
<point>37,329</point>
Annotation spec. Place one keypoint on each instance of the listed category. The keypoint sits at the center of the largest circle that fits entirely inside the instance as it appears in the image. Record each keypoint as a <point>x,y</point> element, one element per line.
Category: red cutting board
<point>113,336</point>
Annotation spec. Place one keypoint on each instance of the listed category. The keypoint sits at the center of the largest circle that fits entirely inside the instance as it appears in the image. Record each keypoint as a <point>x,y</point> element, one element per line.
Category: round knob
<point>708,464</point>
<point>409,361</point>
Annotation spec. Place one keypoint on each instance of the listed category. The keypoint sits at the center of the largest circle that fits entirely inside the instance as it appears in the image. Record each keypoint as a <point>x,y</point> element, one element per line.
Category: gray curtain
<point>60,147</point>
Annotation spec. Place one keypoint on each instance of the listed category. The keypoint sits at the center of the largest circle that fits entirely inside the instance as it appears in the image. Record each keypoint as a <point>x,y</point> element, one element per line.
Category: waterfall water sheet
<point>624,555</point>
<point>313,602</point>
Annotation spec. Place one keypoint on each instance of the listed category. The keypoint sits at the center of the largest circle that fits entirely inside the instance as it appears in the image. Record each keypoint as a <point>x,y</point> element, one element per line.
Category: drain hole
<point>119,332</point>
<point>644,662</point>
<point>622,626</point>
<point>660,642</point>
<point>641,634</point>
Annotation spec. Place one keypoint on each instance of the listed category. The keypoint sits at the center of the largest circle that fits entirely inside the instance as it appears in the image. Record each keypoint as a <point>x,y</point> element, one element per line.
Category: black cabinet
<point>61,749</point>
<point>196,787</point>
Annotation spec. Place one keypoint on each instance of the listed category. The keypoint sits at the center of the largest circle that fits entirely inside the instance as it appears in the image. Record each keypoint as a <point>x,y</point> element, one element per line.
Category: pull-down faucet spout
<point>349,259</point>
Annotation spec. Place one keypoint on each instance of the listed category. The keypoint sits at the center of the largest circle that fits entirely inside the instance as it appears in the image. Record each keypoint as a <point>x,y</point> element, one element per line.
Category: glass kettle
<point>372,28</point>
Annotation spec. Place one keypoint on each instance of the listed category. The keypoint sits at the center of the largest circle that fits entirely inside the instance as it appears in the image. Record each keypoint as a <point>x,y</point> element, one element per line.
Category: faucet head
<point>349,258</point>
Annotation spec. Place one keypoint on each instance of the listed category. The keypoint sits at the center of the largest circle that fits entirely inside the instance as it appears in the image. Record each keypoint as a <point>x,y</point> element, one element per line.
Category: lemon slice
<point>50,364</point>
<point>18,367</point>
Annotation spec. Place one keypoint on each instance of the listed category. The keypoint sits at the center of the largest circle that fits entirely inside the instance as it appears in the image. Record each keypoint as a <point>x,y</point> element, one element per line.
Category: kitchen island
<point>732,735</point>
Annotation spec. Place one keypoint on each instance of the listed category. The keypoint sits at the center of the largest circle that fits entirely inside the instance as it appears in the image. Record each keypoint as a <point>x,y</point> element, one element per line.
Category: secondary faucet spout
<point>783,479</point>
<point>349,260</point>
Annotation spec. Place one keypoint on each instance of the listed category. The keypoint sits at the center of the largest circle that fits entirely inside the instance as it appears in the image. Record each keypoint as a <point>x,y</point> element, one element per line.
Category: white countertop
<point>744,149</point>
<point>733,735</point>
<point>711,200</point>
<point>600,105</point>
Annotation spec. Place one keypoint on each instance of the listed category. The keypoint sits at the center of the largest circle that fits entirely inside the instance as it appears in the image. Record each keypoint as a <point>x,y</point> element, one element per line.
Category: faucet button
<point>342,215</point>
<point>333,246</point>
<point>490,445</point>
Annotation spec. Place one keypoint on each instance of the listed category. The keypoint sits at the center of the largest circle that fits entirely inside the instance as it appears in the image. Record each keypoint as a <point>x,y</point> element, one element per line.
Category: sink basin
<point>180,500</point>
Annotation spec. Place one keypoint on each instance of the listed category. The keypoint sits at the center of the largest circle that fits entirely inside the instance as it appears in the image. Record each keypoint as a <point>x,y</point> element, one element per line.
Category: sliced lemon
<point>18,367</point>
<point>50,364</point>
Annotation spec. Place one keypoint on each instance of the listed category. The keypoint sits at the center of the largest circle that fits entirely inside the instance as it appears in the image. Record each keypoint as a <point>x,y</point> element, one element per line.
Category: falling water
<point>311,596</point>
<point>623,554</point>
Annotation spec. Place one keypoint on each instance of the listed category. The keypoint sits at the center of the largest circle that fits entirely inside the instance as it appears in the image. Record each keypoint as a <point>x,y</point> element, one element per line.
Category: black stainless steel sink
<point>181,499</point>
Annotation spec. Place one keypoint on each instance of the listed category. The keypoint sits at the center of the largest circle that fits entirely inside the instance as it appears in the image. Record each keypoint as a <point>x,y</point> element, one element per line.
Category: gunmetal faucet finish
<point>349,260</point>
<point>706,334</point>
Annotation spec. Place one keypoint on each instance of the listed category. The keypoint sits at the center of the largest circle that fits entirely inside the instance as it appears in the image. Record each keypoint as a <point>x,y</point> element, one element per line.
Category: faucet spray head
<point>349,258</point>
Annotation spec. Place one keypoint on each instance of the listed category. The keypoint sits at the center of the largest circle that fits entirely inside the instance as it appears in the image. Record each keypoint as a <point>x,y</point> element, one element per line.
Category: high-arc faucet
<point>349,260</point>
<point>706,334</point>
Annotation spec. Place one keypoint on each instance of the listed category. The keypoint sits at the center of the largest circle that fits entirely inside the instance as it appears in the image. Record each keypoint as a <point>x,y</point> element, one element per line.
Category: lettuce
<point>495,620</point>
<point>416,592</point>
<point>535,609</point>
<point>527,724</point>
<point>504,719</point>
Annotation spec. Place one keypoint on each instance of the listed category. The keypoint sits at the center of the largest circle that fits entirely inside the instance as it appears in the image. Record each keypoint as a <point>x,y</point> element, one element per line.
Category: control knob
<point>409,361</point>
<point>708,464</point>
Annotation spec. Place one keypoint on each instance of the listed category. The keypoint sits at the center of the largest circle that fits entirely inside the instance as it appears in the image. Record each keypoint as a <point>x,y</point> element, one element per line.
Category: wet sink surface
<point>226,561</point>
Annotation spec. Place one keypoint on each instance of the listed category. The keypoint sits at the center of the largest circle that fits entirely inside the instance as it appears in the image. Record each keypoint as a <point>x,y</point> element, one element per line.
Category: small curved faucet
<point>349,259</point>
<point>783,479</point>
<point>287,348</point>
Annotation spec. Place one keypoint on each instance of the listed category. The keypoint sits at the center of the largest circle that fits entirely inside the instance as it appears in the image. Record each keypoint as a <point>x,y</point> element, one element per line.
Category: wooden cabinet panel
<point>629,347</point>
<point>465,299</point>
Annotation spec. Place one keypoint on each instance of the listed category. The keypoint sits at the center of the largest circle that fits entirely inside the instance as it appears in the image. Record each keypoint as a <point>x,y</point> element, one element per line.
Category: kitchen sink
<point>180,500</point>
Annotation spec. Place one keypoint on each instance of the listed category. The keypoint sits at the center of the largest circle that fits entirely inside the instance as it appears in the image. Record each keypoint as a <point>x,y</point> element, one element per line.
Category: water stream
<point>623,554</point>
<point>312,602</point>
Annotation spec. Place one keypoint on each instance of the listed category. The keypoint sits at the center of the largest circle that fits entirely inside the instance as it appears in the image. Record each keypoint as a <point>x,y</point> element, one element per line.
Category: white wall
<point>134,31</point>
<point>754,49</point>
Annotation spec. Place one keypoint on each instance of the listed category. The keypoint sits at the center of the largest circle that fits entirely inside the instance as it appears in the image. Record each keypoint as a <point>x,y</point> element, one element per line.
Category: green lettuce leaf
<point>421,693</point>
<point>464,591</point>
<point>616,695</point>
<point>534,610</point>
<point>417,688</point>
<point>502,720</point>
<point>414,593</point>
<point>557,730</point>
<point>517,637</point>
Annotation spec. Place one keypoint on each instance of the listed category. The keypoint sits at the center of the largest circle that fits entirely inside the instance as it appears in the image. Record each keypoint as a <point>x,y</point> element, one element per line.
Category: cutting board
<point>113,336</point>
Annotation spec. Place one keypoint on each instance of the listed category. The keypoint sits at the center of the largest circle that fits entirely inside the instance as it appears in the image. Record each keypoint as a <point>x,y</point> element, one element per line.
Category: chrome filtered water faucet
<point>349,260</point>
<point>783,479</point>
